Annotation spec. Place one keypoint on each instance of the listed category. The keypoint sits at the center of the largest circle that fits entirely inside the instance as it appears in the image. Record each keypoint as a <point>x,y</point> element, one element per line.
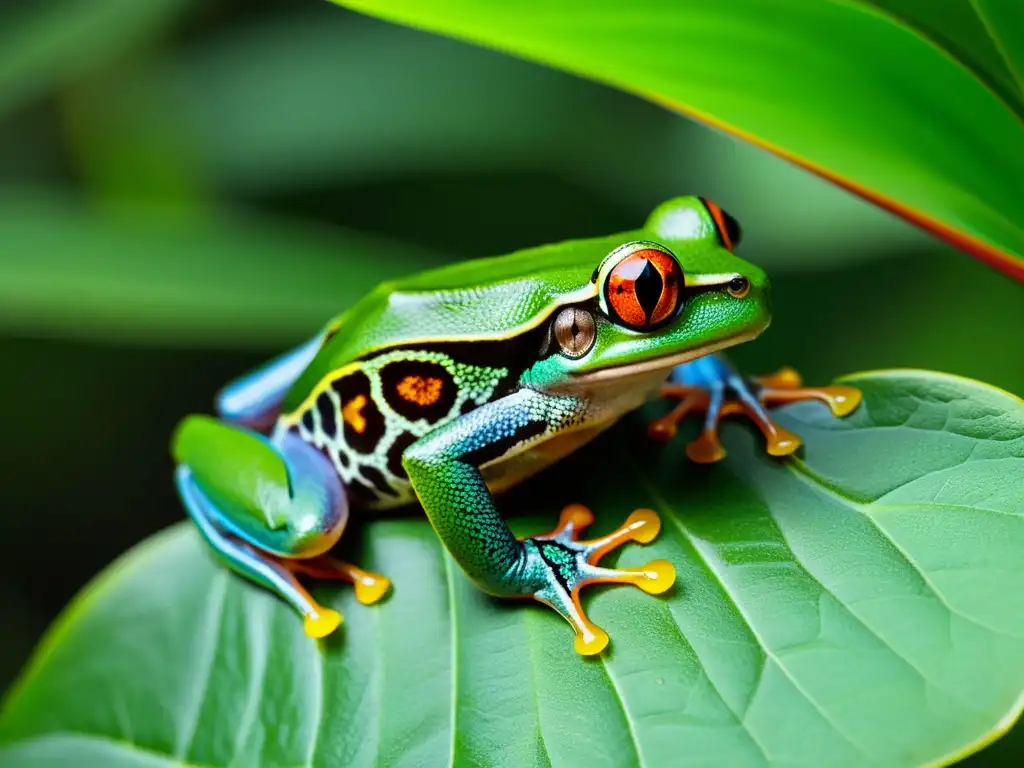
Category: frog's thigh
<point>254,400</point>
<point>284,496</point>
<point>250,562</point>
<point>258,504</point>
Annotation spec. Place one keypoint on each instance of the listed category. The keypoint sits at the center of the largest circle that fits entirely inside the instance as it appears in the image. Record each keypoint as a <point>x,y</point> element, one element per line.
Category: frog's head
<point>670,293</point>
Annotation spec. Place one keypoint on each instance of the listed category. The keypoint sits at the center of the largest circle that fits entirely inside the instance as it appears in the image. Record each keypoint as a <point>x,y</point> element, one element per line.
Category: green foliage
<point>149,274</point>
<point>909,122</point>
<point>58,41</point>
<point>840,609</point>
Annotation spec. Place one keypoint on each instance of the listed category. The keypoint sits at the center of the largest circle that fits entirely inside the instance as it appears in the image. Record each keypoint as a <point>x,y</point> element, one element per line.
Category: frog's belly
<point>508,471</point>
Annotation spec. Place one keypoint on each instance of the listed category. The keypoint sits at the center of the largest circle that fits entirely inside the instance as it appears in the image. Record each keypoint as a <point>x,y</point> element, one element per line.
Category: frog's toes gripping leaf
<point>724,393</point>
<point>573,565</point>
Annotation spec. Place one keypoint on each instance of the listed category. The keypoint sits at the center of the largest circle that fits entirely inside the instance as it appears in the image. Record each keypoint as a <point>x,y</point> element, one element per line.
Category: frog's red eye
<point>728,228</point>
<point>645,288</point>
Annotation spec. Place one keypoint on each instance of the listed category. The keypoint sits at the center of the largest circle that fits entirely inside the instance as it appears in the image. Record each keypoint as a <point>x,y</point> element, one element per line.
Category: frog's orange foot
<point>750,397</point>
<point>369,587</point>
<point>573,564</point>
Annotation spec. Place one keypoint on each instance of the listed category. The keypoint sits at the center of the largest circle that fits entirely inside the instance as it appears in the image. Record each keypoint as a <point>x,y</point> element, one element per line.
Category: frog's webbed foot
<point>717,391</point>
<point>564,565</point>
<point>369,587</point>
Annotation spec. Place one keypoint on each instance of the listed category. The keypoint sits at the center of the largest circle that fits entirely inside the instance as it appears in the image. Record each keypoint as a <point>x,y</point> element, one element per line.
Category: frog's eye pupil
<point>643,289</point>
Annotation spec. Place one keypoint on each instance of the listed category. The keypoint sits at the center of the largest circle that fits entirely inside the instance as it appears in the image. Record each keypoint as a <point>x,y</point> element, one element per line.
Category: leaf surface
<point>861,605</point>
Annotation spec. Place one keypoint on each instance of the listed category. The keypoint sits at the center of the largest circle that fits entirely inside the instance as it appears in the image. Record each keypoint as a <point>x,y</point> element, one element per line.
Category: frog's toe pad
<point>591,641</point>
<point>372,588</point>
<point>706,449</point>
<point>842,400</point>
<point>656,577</point>
<point>748,397</point>
<point>322,623</point>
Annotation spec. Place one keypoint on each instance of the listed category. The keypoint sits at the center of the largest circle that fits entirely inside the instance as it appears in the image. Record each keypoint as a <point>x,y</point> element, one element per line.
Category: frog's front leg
<point>271,509</point>
<point>712,386</point>
<point>444,469</point>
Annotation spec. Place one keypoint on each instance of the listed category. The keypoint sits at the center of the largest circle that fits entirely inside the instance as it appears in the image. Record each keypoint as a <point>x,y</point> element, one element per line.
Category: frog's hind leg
<point>259,567</point>
<point>254,400</point>
<point>711,385</point>
<point>272,508</point>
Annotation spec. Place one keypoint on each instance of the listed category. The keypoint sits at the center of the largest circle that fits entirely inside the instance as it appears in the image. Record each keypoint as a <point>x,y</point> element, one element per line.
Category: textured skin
<point>503,296</point>
<point>322,422</point>
<point>443,468</point>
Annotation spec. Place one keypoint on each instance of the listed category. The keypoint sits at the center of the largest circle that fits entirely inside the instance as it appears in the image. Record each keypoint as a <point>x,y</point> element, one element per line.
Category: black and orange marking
<point>396,451</point>
<point>362,423</point>
<point>418,389</point>
<point>376,477</point>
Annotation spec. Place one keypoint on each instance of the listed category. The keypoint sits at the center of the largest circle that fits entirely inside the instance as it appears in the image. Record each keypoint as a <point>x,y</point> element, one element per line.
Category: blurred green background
<point>188,187</point>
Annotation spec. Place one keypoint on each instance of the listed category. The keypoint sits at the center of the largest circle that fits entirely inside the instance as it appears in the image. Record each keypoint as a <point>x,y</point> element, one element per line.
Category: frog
<point>450,387</point>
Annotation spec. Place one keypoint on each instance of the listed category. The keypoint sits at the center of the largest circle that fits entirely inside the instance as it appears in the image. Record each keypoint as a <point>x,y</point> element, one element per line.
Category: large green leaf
<point>235,97</point>
<point>861,605</point>
<point>875,99</point>
<point>150,274</point>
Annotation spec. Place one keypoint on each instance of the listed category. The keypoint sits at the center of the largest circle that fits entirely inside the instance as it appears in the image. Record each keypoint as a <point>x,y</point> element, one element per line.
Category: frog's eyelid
<point>711,280</point>
<point>727,228</point>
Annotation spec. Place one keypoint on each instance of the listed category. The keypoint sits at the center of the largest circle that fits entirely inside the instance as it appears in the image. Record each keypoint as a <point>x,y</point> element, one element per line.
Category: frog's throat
<point>661,363</point>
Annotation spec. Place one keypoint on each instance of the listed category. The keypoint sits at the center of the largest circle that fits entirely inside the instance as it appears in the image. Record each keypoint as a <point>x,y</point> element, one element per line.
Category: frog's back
<point>417,353</point>
<point>479,299</point>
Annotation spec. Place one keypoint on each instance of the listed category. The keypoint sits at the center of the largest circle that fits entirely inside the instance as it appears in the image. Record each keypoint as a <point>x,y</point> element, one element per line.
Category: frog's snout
<point>754,290</point>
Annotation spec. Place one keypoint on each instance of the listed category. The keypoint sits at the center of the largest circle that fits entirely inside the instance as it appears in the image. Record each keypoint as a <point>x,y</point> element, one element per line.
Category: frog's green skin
<point>451,385</point>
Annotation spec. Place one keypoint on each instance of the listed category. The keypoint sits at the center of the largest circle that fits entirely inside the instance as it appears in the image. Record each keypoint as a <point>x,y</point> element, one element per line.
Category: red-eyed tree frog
<point>456,384</point>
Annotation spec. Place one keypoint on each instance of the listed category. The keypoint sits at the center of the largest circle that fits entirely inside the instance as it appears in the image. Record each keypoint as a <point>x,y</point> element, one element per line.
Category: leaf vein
<point>707,565</point>
<point>214,617</point>
<point>997,42</point>
<point>866,509</point>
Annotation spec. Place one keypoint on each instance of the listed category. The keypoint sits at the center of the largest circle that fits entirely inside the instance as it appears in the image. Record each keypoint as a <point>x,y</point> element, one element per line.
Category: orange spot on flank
<point>352,413</point>
<point>420,390</point>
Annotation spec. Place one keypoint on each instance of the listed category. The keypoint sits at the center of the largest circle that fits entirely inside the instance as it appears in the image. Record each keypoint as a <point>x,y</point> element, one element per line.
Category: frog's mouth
<point>645,368</point>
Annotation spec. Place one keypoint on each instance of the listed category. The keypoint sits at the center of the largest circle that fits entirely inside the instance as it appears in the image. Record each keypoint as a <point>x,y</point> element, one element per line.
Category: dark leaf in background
<point>147,275</point>
<point>45,45</point>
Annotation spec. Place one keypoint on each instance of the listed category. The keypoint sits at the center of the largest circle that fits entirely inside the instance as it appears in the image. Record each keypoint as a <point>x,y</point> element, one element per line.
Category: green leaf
<point>246,97</point>
<point>846,89</point>
<point>234,96</point>
<point>60,41</point>
<point>149,274</point>
<point>861,605</point>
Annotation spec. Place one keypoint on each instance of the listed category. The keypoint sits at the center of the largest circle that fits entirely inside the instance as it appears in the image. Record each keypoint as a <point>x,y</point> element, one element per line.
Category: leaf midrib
<point>997,43</point>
